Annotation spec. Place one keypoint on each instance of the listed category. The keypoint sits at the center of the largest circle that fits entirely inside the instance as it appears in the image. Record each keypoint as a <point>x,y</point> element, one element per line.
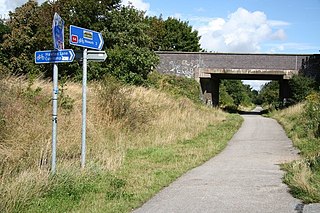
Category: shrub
<point>301,87</point>
<point>312,113</point>
<point>119,107</point>
<point>176,86</point>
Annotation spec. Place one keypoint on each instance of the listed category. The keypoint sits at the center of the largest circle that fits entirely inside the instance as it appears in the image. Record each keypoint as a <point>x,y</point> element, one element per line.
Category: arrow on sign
<point>85,38</point>
<point>54,56</point>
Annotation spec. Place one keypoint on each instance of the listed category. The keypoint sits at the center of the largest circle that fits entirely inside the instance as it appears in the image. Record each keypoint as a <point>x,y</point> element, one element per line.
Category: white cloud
<point>200,9</point>
<point>11,5</point>
<point>276,23</point>
<point>177,15</point>
<point>139,4</point>
<point>242,31</point>
<point>292,47</point>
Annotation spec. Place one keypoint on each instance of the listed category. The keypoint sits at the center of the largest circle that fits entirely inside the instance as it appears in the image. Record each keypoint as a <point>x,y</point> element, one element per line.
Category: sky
<point>236,26</point>
<point>249,26</point>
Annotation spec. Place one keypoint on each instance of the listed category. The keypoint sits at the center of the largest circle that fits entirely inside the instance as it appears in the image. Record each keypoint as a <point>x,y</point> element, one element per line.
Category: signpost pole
<point>84,107</point>
<point>93,40</point>
<point>54,117</point>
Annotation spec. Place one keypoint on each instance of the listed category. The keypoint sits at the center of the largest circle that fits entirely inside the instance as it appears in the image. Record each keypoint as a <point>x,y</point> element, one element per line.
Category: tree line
<point>130,37</point>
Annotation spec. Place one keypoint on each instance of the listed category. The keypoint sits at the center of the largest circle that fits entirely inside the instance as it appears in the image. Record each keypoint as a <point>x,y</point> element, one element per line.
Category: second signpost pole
<point>84,107</point>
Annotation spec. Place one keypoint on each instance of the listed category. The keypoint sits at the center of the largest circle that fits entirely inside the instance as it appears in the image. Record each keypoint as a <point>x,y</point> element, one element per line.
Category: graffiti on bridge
<point>186,68</point>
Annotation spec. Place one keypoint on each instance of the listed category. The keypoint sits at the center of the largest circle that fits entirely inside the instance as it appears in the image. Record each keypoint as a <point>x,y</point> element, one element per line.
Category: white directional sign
<point>92,55</point>
<point>97,55</point>
<point>58,32</point>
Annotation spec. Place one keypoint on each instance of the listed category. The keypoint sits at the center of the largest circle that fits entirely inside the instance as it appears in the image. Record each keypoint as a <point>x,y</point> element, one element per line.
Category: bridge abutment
<point>210,90</point>
<point>215,83</point>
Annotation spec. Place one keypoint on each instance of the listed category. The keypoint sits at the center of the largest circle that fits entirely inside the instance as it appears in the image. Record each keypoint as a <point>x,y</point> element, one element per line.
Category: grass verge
<point>303,175</point>
<point>138,141</point>
<point>145,172</point>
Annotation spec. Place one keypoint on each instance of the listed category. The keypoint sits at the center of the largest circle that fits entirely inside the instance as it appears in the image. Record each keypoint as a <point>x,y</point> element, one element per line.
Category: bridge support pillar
<point>284,90</point>
<point>215,83</point>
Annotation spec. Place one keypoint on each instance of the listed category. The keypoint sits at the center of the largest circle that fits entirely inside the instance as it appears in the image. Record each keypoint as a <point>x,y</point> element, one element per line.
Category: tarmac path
<point>245,177</point>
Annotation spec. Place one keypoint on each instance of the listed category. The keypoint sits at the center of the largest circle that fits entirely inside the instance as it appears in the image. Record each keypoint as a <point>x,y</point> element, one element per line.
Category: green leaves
<point>234,92</point>
<point>173,35</point>
<point>131,64</point>
<point>301,87</point>
<point>130,38</point>
<point>269,93</point>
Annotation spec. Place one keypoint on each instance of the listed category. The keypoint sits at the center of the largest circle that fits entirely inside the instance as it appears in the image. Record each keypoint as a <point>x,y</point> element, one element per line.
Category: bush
<point>118,105</point>
<point>312,113</point>
<point>301,87</point>
<point>176,86</point>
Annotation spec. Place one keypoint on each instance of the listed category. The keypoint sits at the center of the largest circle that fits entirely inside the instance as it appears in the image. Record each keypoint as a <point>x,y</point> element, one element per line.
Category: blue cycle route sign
<point>58,32</point>
<point>54,56</point>
<point>85,38</point>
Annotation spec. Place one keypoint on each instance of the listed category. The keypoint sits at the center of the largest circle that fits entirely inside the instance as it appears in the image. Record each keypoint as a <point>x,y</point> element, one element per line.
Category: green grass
<point>145,172</point>
<point>302,176</point>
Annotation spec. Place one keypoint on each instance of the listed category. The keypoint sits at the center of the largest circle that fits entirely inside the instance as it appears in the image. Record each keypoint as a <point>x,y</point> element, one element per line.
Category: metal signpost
<point>93,40</point>
<point>58,44</point>
<point>78,37</point>
<point>58,55</point>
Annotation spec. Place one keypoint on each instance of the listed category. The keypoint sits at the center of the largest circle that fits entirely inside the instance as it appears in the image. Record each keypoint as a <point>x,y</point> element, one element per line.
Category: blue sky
<point>260,26</point>
<point>251,26</point>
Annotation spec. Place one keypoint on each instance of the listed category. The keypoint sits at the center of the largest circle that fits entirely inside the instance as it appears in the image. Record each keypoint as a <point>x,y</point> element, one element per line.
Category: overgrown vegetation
<point>131,38</point>
<point>302,123</point>
<point>138,139</point>
<point>300,86</point>
<point>234,95</point>
<point>176,86</point>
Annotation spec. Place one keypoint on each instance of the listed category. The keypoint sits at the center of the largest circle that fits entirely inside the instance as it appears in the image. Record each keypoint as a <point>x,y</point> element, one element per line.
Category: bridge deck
<point>197,65</point>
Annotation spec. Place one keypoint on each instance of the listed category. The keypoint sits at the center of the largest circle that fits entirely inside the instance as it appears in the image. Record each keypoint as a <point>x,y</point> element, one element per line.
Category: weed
<point>65,101</point>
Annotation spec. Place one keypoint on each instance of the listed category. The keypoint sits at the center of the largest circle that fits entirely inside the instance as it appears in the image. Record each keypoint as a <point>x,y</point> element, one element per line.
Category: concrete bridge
<point>209,68</point>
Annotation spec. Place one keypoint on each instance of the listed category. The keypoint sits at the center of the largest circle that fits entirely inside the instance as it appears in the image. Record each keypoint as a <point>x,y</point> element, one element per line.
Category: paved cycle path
<point>245,177</point>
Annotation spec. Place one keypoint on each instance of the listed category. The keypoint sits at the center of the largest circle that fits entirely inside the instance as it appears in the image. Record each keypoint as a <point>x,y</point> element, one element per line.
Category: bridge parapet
<point>200,65</point>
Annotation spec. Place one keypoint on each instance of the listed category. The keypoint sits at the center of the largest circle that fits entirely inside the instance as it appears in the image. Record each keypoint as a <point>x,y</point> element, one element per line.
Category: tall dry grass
<point>118,118</point>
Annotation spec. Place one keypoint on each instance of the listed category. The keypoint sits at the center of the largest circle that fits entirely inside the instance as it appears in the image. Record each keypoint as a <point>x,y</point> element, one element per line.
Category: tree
<point>129,56</point>
<point>225,98</point>
<point>173,35</point>
<point>4,29</point>
<point>89,14</point>
<point>156,32</point>
<point>129,37</point>
<point>301,87</point>
<point>269,93</point>
<point>238,92</point>
<point>20,44</point>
